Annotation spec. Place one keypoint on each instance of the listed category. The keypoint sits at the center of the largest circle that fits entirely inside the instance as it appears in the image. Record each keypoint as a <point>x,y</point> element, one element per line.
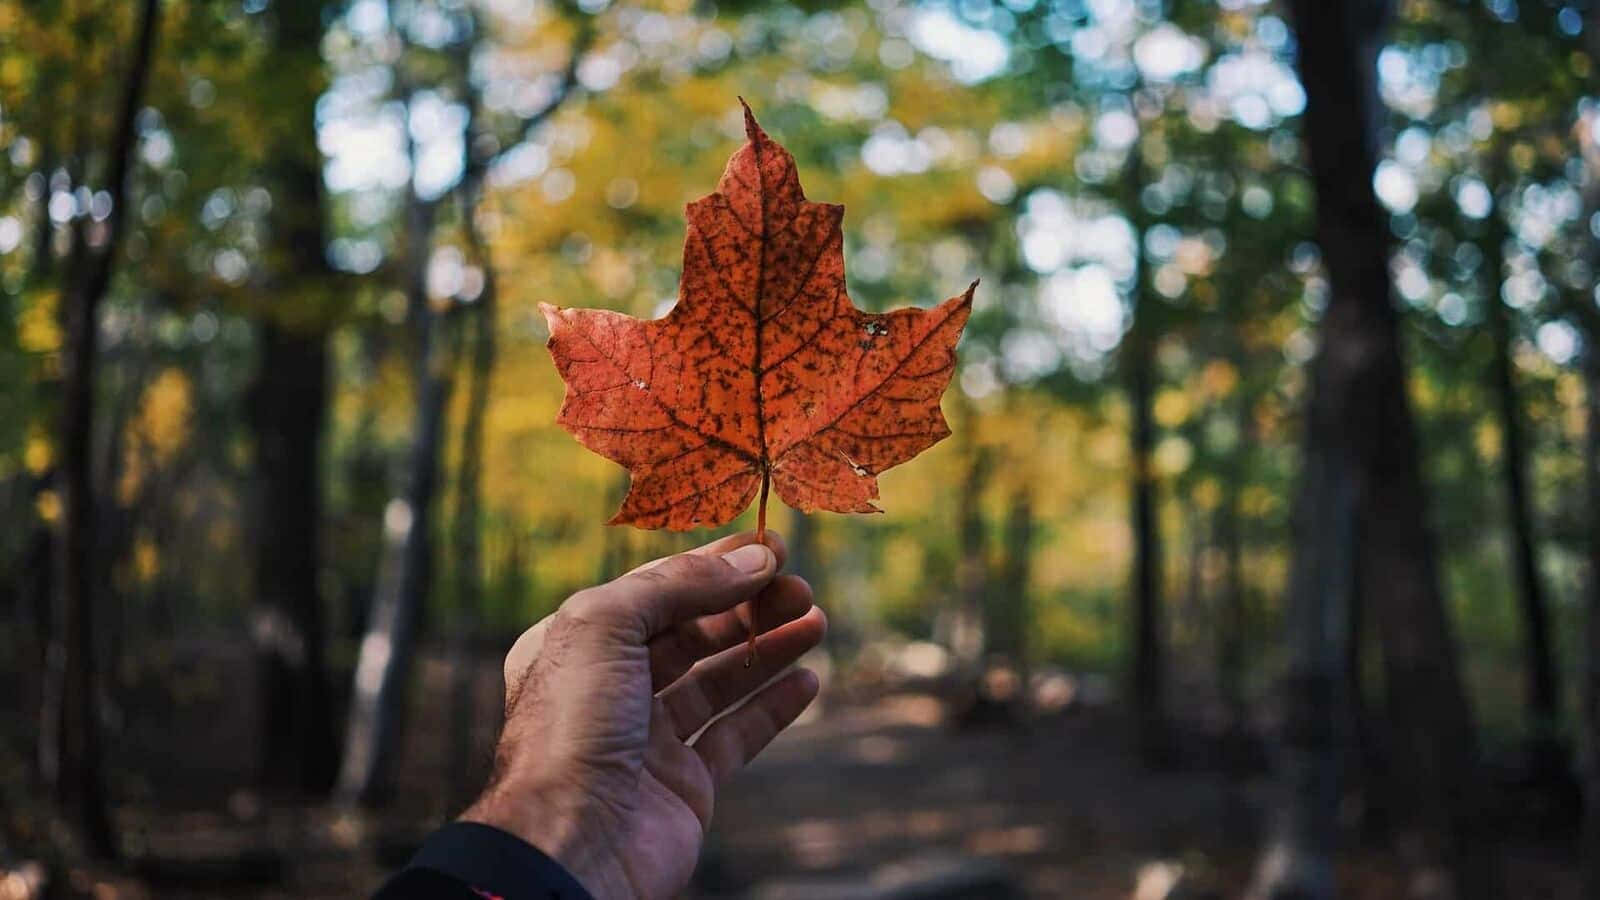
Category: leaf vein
<point>856,403</point>
<point>710,438</point>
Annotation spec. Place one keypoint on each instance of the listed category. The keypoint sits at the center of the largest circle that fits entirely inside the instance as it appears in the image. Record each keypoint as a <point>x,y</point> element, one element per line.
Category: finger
<point>526,647</point>
<point>725,679</point>
<point>736,738</point>
<point>673,653</point>
<point>649,601</point>
<point>677,766</point>
<point>730,542</point>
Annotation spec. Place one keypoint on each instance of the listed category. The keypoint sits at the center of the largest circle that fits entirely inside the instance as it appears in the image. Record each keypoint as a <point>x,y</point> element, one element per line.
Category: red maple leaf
<point>763,370</point>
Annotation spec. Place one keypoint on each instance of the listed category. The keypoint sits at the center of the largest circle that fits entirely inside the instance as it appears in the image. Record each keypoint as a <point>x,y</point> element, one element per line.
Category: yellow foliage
<point>1570,392</point>
<point>1258,501</point>
<point>1108,446</point>
<point>162,422</point>
<point>1060,625</point>
<point>1171,408</point>
<point>904,559</point>
<point>1172,456</point>
<point>1219,378</point>
<point>158,430</point>
<point>38,331</point>
<point>1505,115</point>
<point>1424,394</point>
<point>1486,438</point>
<point>601,224</point>
<point>38,454</point>
<point>48,505</point>
<point>146,560</point>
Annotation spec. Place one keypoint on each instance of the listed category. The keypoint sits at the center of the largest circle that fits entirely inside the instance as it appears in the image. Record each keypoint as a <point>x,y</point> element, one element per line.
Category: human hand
<point>595,765</point>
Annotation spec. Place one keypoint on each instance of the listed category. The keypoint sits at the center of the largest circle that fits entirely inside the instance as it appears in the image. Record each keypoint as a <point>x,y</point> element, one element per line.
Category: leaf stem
<point>761,508</point>
<point>761,538</point>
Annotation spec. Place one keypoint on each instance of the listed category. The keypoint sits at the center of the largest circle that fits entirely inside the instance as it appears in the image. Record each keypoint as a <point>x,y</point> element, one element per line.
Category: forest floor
<point>873,790</point>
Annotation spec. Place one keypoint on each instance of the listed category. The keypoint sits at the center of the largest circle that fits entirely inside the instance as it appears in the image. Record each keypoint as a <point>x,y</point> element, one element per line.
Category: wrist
<point>559,825</point>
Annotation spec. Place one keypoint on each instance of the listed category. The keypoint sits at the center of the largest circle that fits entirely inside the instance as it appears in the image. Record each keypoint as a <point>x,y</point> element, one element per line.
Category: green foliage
<point>1041,174</point>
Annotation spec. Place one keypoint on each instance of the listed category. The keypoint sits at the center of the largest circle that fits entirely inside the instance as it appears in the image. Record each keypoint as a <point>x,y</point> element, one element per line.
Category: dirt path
<point>1059,804</point>
<point>859,793</point>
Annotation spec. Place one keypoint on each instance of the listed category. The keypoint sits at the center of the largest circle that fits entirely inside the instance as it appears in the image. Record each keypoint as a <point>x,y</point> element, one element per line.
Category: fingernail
<point>751,559</point>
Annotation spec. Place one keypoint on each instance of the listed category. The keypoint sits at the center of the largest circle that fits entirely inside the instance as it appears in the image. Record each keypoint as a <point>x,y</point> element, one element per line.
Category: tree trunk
<point>1299,861</point>
<point>468,562</point>
<point>1368,763</point>
<point>1590,694</point>
<point>297,742</point>
<point>1012,616</point>
<point>383,667</point>
<point>805,560</point>
<point>804,555</point>
<point>1148,677</point>
<point>288,411</point>
<point>1010,622</point>
<point>42,263</point>
<point>1188,618</point>
<point>467,530</point>
<point>1148,656</point>
<point>1362,444</point>
<point>1591,657</point>
<point>1231,618</point>
<point>1543,690</point>
<point>615,556</point>
<point>69,733</point>
<point>36,572</point>
<point>968,641</point>
<point>36,565</point>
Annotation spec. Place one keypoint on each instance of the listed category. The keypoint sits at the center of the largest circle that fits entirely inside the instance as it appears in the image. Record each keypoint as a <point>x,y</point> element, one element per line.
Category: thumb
<point>651,600</point>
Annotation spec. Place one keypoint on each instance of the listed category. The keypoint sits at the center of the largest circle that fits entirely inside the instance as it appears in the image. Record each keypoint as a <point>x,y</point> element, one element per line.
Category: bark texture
<point>406,565</point>
<point>1590,852</point>
<point>1543,691</point>
<point>69,733</point>
<point>288,413</point>
<point>377,707</point>
<point>1148,676</point>
<point>1590,690</point>
<point>466,533</point>
<point>1361,519</point>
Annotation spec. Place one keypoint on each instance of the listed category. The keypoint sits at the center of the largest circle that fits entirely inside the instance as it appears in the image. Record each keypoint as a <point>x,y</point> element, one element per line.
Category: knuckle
<point>594,613</point>
<point>654,577</point>
<point>688,567</point>
<point>585,606</point>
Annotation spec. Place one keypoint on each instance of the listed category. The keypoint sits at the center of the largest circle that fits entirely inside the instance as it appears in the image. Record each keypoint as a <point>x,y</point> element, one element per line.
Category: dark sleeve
<point>469,861</point>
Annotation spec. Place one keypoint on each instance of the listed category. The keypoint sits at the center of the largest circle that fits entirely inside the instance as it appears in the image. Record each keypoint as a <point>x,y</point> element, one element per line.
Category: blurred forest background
<point>1264,560</point>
